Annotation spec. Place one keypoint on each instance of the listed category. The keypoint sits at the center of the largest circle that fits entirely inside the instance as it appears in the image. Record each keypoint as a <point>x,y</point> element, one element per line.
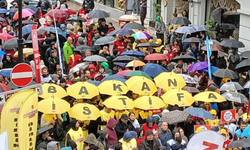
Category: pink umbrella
<point>156,56</point>
<point>213,47</point>
<point>122,73</point>
<point>25,13</point>
<point>6,36</point>
<point>59,13</point>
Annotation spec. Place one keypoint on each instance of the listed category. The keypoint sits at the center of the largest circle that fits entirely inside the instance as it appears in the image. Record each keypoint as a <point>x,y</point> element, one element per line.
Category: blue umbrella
<point>185,29</point>
<point>213,69</point>
<point>53,30</point>
<point>120,64</point>
<point>198,112</point>
<point>2,53</point>
<point>96,83</point>
<point>125,31</point>
<point>133,53</point>
<point>6,72</point>
<point>3,11</point>
<point>153,69</point>
<point>26,29</point>
<point>115,77</point>
<point>246,132</point>
<point>200,27</point>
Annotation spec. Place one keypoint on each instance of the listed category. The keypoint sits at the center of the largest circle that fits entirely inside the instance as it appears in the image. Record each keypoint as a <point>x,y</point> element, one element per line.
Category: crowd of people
<point>121,129</point>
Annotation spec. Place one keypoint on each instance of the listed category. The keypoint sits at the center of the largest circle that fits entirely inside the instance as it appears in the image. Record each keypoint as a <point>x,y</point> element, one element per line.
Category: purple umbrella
<point>32,11</point>
<point>2,19</point>
<point>198,66</point>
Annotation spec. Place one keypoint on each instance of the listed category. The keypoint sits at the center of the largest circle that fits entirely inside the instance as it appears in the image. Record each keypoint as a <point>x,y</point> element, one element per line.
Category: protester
<point>160,28</point>
<point>149,143</point>
<point>143,11</point>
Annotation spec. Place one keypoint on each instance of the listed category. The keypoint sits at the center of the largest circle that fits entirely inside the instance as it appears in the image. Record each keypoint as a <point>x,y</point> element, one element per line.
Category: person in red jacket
<point>90,36</point>
<point>140,135</point>
<point>74,60</point>
<point>111,27</point>
<point>150,125</point>
<point>92,70</point>
<point>170,53</point>
<point>119,45</point>
<point>82,13</point>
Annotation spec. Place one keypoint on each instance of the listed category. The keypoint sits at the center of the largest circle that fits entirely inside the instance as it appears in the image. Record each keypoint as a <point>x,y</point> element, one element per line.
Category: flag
<point>209,53</point>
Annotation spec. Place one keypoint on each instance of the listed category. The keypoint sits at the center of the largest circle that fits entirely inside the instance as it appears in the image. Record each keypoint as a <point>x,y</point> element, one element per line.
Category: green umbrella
<point>137,73</point>
<point>75,19</point>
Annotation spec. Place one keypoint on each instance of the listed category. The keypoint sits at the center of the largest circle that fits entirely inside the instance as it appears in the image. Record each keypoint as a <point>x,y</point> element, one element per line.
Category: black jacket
<point>143,7</point>
<point>150,145</point>
<point>9,64</point>
<point>103,29</point>
<point>221,63</point>
<point>120,129</point>
<point>53,61</point>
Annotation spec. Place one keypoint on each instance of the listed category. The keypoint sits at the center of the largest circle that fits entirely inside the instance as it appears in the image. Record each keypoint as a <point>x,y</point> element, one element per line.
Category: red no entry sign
<point>21,75</point>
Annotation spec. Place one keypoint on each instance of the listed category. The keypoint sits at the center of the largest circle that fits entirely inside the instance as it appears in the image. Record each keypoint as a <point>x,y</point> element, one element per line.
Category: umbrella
<point>98,14</point>
<point>124,32</point>
<point>88,112</point>
<point>210,97</point>
<point>243,65</point>
<point>27,29</point>
<point>59,13</point>
<point>231,86</point>
<point>216,14</point>
<point>95,58</point>
<point>115,77</point>
<point>141,35</point>
<point>96,83</point>
<point>192,40</point>
<point>175,116</point>
<point>227,26</point>
<point>112,33</point>
<point>199,112</point>
<point>43,129</point>
<point>113,87</point>
<point>2,53</point>
<point>53,105</point>
<point>246,85</point>
<point>52,30</point>
<point>185,30</point>
<point>124,58</point>
<point>169,80</point>
<point>6,72</point>
<point>213,69</point>
<point>105,40</point>
<point>225,73</point>
<point>83,65</point>
<point>122,73</point>
<point>69,12</point>
<point>232,43</point>
<point>26,51</point>
<point>4,88</point>
<point>53,90</point>
<point>199,28</point>
<point>31,7</point>
<point>2,19</point>
<point>245,54</point>
<point>134,25</point>
<point>119,103</point>
<point>188,79</point>
<point>180,21</point>
<point>156,56</point>
<point>3,11</point>
<point>191,89</point>
<point>13,10</point>
<point>128,18</point>
<point>184,58</point>
<point>6,36</point>
<point>153,69</point>
<point>121,64</point>
<point>239,143</point>
<point>82,49</point>
<point>147,44</point>
<point>76,19</point>
<point>213,42</point>
<point>25,13</point>
<point>149,103</point>
<point>137,73</point>
<point>178,97</point>
<point>135,63</point>
<point>28,22</point>
<point>133,53</point>
<point>141,85</point>
<point>82,90</point>
<point>213,47</point>
<point>235,97</point>
<point>198,66</point>
<point>33,12</point>
<point>11,44</point>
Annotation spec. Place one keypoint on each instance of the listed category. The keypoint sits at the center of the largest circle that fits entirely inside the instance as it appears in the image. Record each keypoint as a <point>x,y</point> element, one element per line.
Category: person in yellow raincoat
<point>215,121</point>
<point>75,134</point>
<point>161,48</point>
<point>129,140</point>
<point>106,114</point>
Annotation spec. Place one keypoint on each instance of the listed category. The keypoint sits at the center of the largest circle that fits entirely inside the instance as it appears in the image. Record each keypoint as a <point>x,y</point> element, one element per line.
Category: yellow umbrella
<point>84,111</point>
<point>210,97</point>
<point>112,87</point>
<point>169,80</point>
<point>141,85</point>
<point>119,102</point>
<point>50,89</point>
<point>53,106</point>
<point>178,97</point>
<point>26,51</point>
<point>149,102</point>
<point>135,63</point>
<point>83,90</point>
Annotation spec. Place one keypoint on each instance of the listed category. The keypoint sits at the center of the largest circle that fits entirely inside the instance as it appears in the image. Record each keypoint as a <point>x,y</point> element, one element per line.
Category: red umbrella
<point>122,73</point>
<point>25,13</point>
<point>156,56</point>
<point>69,12</point>
<point>6,36</point>
<point>213,47</point>
<point>59,13</point>
<point>4,88</point>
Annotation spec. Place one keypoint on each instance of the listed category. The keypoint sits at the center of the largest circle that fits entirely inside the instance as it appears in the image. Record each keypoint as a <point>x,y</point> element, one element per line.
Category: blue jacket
<point>164,136</point>
<point>238,133</point>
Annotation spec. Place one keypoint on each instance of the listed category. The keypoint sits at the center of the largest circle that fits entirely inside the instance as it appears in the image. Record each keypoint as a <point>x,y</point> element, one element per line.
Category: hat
<point>96,31</point>
<point>129,135</point>
<point>26,2</point>
<point>75,69</point>
<point>12,33</point>
<point>150,132</point>
<point>62,26</point>
<point>54,76</point>
<point>223,131</point>
<point>158,41</point>
<point>213,112</point>
<point>115,52</point>
<point>124,116</point>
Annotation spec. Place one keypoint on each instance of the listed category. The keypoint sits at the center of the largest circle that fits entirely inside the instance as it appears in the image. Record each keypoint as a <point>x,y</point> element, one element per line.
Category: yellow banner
<point>27,122</point>
<point>9,116</point>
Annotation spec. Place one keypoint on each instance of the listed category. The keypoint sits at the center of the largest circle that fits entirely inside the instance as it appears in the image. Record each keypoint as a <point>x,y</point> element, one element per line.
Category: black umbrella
<point>192,40</point>
<point>82,49</point>
<point>11,44</point>
<point>112,33</point>
<point>134,25</point>
<point>184,58</point>
<point>27,42</point>
<point>43,129</point>
<point>245,54</point>
<point>148,44</point>
<point>216,14</point>
<point>239,143</point>
<point>98,14</point>
<point>75,19</point>
<point>243,65</point>
<point>31,7</point>
<point>232,43</point>
<point>227,26</point>
<point>124,58</point>
<point>180,21</point>
<point>225,73</point>
<point>28,22</point>
<point>105,40</point>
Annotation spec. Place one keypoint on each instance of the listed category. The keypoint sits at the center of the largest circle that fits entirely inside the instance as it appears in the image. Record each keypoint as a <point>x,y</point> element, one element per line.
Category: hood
<point>112,122</point>
<point>41,145</point>
<point>51,145</point>
<point>158,18</point>
<point>105,65</point>
<point>91,139</point>
<point>176,147</point>
<point>92,66</point>
<point>77,57</point>
<point>150,119</point>
<point>129,135</point>
<point>73,124</point>
<point>102,134</point>
<point>138,130</point>
<point>10,56</point>
<point>72,144</point>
